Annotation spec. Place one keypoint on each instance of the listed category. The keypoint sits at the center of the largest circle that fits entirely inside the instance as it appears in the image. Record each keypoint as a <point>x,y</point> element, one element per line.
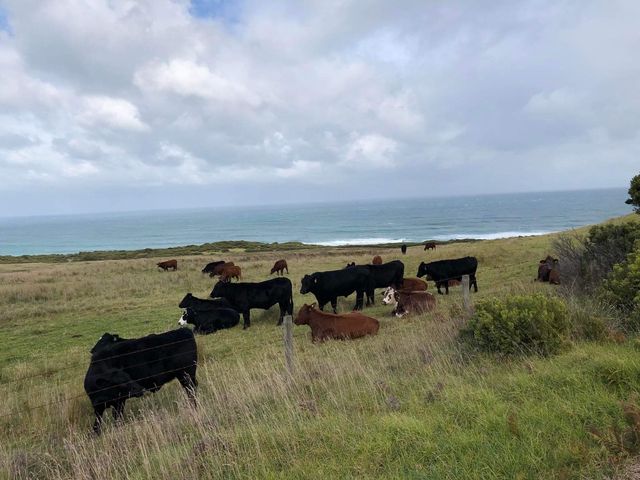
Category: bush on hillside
<point>586,262</point>
<point>519,324</point>
<point>622,290</point>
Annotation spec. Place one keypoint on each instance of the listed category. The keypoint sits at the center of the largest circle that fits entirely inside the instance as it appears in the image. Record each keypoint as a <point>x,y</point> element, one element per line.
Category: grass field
<point>411,402</point>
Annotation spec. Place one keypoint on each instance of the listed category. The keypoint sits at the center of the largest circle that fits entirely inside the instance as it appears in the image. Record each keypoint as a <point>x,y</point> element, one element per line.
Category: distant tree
<point>634,193</point>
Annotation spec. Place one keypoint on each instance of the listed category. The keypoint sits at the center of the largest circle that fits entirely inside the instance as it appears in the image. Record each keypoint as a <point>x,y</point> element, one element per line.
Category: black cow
<point>388,274</point>
<point>122,368</point>
<point>199,304</point>
<point>243,296</point>
<point>328,286</point>
<point>444,270</point>
<point>209,267</point>
<point>209,321</point>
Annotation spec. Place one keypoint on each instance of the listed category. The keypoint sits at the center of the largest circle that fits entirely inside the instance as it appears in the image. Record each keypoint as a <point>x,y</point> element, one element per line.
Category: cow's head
<point>349,265</point>
<point>183,320</point>
<point>105,340</point>
<point>304,314</point>
<point>423,270</point>
<point>307,283</point>
<point>389,296</point>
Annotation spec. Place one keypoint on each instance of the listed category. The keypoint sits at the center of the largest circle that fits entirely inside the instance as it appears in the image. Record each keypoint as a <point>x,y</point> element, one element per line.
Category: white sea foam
<point>357,241</point>
<point>489,236</point>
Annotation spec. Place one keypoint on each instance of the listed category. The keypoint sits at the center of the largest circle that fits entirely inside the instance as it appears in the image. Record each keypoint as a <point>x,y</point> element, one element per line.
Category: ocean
<point>340,223</point>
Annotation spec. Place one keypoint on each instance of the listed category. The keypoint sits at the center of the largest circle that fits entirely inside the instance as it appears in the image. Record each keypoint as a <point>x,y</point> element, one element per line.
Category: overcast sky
<point>137,104</point>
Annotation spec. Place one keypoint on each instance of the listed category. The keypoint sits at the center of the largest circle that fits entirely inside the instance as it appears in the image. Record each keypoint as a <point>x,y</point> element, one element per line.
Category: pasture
<point>410,402</point>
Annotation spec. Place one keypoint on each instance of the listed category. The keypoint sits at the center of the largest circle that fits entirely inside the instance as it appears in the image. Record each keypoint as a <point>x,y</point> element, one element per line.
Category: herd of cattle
<point>123,368</point>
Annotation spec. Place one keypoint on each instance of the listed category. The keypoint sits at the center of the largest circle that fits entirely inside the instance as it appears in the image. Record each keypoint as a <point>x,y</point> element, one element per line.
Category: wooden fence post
<point>465,295</point>
<point>287,324</point>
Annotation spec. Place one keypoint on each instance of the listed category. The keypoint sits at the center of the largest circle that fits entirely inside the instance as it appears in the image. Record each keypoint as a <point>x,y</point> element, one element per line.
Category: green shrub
<point>519,324</point>
<point>622,289</point>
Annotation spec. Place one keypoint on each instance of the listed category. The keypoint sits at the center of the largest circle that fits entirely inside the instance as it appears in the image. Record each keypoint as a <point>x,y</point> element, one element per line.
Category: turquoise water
<point>484,217</point>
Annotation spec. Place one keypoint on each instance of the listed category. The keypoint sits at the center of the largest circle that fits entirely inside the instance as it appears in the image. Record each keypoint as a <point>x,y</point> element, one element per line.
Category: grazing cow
<point>199,304</point>
<point>122,368</point>
<point>229,272</point>
<point>217,269</point>
<point>280,266</point>
<point>326,325</point>
<point>403,249</point>
<point>168,264</point>
<point>430,246</point>
<point>209,321</point>
<point>442,271</point>
<point>209,267</point>
<point>385,275</point>
<point>328,286</point>
<point>407,303</point>
<point>377,260</point>
<point>244,296</point>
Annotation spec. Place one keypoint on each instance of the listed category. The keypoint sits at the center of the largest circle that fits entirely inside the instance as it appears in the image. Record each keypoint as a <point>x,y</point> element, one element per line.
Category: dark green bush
<point>622,290</point>
<point>519,324</point>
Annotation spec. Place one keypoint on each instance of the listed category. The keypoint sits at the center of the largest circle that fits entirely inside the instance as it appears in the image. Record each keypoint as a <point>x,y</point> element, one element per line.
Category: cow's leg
<point>474,282</point>
<point>189,384</point>
<point>246,315</point>
<point>446,287</point>
<point>118,410</point>
<point>283,310</point>
<point>287,267</point>
<point>98,410</point>
<point>359,300</point>
<point>438,285</point>
<point>334,304</point>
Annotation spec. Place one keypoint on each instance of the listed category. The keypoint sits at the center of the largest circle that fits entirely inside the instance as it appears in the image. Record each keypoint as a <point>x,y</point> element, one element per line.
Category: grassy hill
<point>411,402</point>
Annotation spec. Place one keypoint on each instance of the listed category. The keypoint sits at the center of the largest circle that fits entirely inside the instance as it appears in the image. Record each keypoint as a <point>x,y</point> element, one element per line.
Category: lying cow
<point>280,266</point>
<point>209,321</point>
<point>209,267</point>
<point>229,272</point>
<point>328,286</point>
<point>377,260</point>
<point>122,368</point>
<point>243,296</point>
<point>443,271</point>
<point>412,284</point>
<point>548,270</point>
<point>430,246</point>
<point>168,265</point>
<point>195,303</point>
<point>326,325</point>
<point>408,303</point>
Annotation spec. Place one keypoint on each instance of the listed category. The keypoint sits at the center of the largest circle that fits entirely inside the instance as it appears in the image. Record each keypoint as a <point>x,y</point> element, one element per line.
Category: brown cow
<point>430,246</point>
<point>168,264</point>
<point>280,266</point>
<point>554,274</point>
<point>414,284</point>
<point>217,269</point>
<point>377,260</point>
<point>407,303</point>
<point>544,268</point>
<point>341,326</point>
<point>454,283</point>
<point>229,272</point>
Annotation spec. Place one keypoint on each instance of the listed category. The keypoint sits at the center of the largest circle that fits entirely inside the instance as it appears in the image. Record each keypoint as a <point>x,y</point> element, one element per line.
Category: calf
<point>195,303</point>
<point>229,272</point>
<point>280,266</point>
<point>209,321</point>
<point>243,296</point>
<point>326,325</point>
<point>328,286</point>
<point>443,271</point>
<point>122,368</point>
<point>430,246</point>
<point>168,265</point>
<point>377,260</point>
<point>407,303</point>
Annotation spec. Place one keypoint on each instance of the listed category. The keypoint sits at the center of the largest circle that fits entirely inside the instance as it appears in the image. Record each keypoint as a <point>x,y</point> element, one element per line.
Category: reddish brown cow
<point>454,283</point>
<point>168,264</point>
<point>280,266</point>
<point>554,274</point>
<point>414,284</point>
<point>229,272</point>
<point>377,260</point>
<point>217,269</point>
<point>430,246</point>
<point>341,326</point>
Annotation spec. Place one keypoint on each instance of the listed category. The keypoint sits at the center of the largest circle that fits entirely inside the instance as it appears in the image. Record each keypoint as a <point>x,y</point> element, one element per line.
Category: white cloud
<point>113,112</point>
<point>372,150</point>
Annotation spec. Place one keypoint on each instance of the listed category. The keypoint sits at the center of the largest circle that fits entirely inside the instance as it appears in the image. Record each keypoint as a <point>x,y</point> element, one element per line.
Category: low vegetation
<point>412,402</point>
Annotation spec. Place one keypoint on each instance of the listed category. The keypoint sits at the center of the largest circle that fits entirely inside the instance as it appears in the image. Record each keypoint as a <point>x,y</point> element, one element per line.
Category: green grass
<point>411,402</point>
